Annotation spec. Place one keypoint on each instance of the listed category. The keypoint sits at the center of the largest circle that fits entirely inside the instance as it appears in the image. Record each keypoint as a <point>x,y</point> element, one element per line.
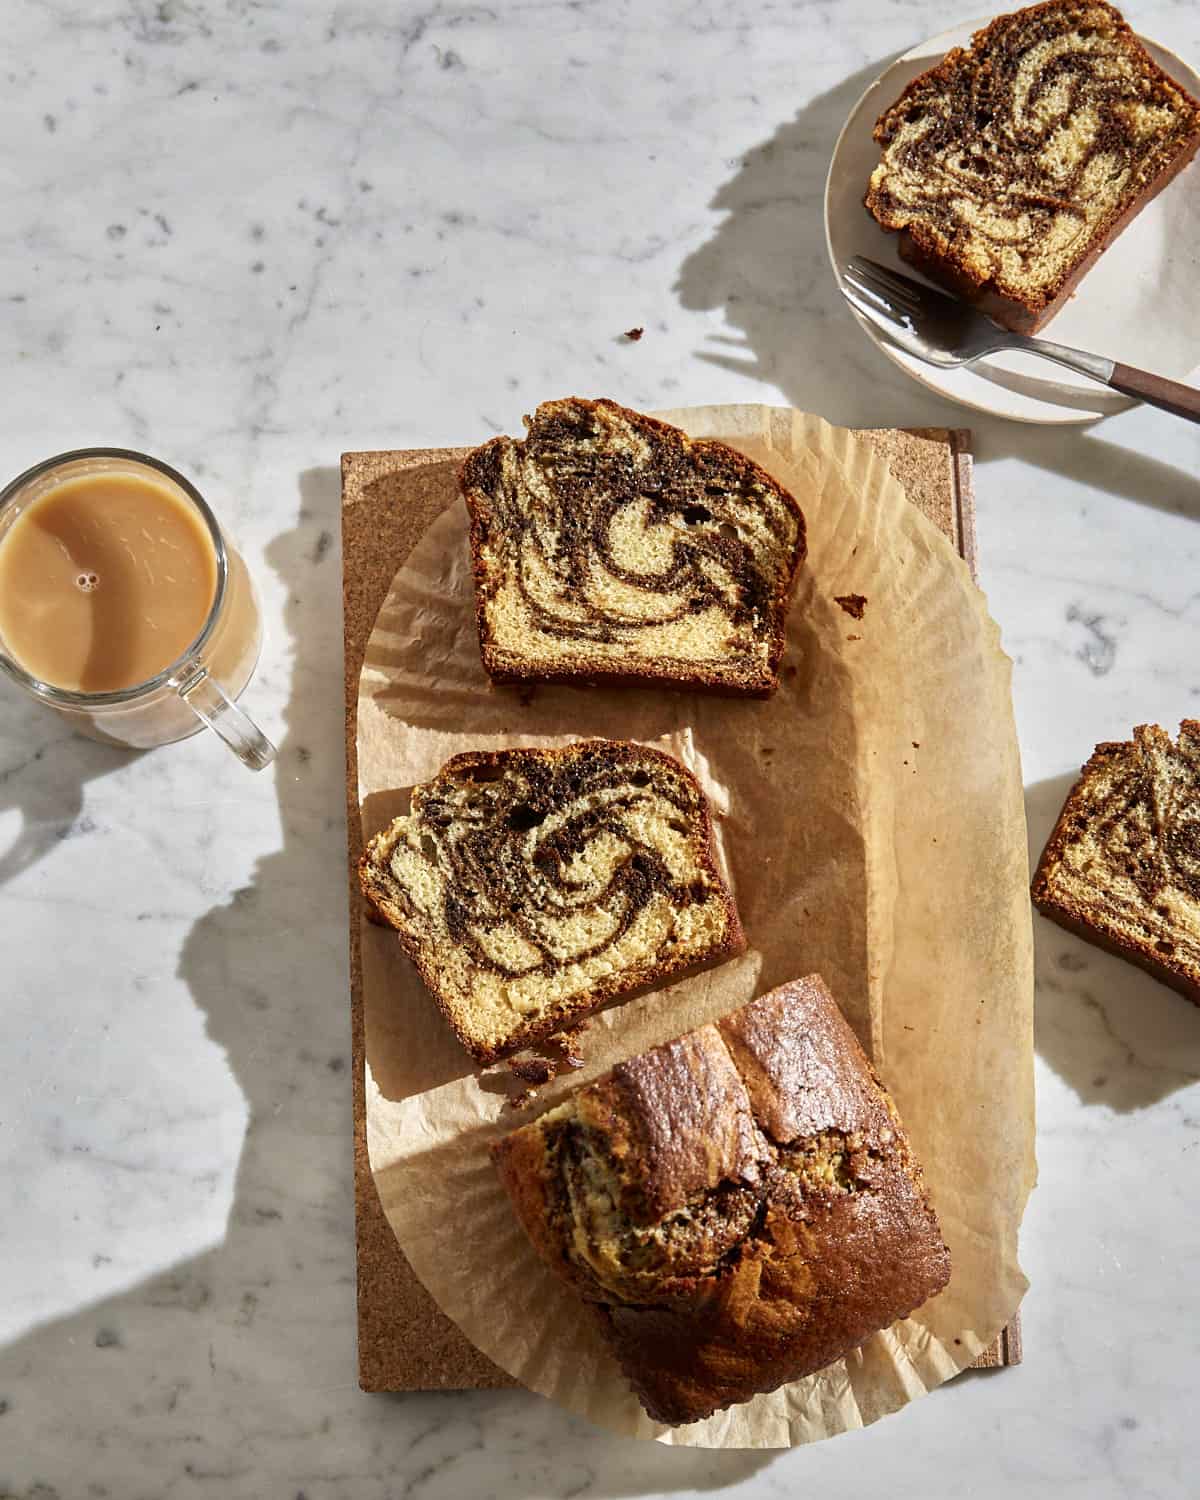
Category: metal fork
<point>943,331</point>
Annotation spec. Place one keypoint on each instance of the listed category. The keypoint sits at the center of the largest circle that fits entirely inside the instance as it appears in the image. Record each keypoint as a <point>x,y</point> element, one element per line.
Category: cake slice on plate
<point>531,886</point>
<point>611,547</point>
<point>1010,166</point>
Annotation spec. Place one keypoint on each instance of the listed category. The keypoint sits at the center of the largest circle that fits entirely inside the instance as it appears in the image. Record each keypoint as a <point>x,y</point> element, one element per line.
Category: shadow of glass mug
<point>202,685</point>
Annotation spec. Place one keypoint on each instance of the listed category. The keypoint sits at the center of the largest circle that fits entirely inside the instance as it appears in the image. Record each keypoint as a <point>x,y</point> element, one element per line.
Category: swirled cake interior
<point>608,545</point>
<point>1011,164</point>
<point>530,886</point>
<point>1123,863</point>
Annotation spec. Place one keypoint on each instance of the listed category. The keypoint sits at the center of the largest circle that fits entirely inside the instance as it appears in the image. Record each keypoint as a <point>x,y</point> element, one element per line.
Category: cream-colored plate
<point>1140,303</point>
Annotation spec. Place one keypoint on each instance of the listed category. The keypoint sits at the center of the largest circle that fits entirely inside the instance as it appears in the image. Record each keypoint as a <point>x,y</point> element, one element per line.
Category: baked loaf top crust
<point>739,1206</point>
<point>609,546</point>
<point>1010,164</point>
<point>531,886</point>
<point>1122,867</point>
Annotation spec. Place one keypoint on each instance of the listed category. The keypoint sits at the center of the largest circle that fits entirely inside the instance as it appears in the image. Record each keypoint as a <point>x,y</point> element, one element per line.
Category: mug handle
<point>208,700</point>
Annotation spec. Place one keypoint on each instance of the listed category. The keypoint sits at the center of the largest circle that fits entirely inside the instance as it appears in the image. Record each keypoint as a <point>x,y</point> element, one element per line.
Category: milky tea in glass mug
<point>122,604</point>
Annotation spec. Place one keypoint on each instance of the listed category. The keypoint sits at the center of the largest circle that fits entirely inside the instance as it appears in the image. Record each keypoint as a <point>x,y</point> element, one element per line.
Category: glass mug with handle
<point>123,606</point>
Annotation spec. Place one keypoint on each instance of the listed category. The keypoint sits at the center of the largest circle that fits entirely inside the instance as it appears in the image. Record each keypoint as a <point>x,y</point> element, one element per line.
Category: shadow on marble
<point>1114,1034</point>
<point>767,266</point>
<point>1087,459</point>
<point>235,1327</point>
<point>556,1454</point>
<point>45,770</point>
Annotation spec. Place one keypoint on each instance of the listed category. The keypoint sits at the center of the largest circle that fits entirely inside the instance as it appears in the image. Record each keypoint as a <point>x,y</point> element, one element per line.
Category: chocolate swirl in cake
<point>1011,164</point>
<point>609,545</point>
<point>1123,863</point>
<point>530,885</point>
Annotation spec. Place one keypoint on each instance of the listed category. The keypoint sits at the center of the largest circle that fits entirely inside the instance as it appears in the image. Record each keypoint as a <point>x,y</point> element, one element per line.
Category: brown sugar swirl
<point>529,886</point>
<point>609,545</point>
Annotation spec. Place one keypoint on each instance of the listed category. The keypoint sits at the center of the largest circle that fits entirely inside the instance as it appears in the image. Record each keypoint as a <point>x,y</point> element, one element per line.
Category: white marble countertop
<point>248,235</point>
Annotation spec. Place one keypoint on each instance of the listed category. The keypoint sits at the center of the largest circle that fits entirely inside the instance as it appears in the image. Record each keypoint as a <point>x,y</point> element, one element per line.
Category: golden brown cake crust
<point>1156,869</point>
<point>740,1207</point>
<point>621,757</point>
<point>678,1122</point>
<point>968,83</point>
<point>479,476</point>
<point>790,1048</point>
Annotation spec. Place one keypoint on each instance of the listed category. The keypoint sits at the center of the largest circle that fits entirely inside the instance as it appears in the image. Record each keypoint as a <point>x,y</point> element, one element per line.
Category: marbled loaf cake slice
<point>610,547</point>
<point>531,886</point>
<point>1122,867</point>
<point>1009,167</point>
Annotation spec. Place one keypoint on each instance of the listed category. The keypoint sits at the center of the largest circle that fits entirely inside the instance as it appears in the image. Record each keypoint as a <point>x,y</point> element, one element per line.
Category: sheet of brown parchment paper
<point>871,819</point>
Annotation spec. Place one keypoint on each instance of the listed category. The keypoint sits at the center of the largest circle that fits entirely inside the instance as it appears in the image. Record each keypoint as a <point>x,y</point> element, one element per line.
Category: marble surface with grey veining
<point>248,234</point>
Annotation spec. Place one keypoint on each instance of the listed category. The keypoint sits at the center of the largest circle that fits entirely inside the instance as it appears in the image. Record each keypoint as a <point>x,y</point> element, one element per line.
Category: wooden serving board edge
<point>405,1341</point>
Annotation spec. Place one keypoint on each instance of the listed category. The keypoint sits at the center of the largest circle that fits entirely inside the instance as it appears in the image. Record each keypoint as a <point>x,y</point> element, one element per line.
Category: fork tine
<point>896,281</point>
<point>894,308</point>
<point>865,278</point>
<point>897,328</point>
<point>877,309</point>
<point>859,292</point>
<point>865,266</point>
<point>881,293</point>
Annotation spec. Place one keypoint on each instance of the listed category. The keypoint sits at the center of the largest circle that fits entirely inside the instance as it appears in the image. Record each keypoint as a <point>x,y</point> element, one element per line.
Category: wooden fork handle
<point>1179,400</point>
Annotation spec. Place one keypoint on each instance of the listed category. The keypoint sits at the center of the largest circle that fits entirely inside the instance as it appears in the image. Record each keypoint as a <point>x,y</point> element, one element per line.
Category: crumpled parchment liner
<point>872,820</point>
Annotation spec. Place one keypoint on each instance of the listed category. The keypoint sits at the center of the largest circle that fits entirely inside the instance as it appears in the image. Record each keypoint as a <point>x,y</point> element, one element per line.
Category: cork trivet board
<point>405,1342</point>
